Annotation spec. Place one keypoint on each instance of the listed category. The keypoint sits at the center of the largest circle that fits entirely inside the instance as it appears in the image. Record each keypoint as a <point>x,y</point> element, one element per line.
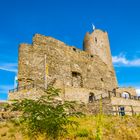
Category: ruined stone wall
<point>98,106</point>
<point>77,73</point>
<point>129,90</point>
<point>69,66</point>
<point>122,101</point>
<point>128,104</point>
<point>33,93</point>
<point>128,109</point>
<point>81,94</point>
<point>24,64</point>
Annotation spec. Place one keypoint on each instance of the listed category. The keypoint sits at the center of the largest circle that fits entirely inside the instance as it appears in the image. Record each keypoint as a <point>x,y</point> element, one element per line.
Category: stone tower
<point>97,43</point>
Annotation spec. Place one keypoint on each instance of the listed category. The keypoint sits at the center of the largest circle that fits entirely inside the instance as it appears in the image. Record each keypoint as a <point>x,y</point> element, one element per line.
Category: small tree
<point>46,115</point>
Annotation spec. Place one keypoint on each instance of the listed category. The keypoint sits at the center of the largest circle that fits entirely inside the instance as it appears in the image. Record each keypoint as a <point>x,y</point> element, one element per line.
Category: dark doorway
<point>121,111</point>
<point>91,97</point>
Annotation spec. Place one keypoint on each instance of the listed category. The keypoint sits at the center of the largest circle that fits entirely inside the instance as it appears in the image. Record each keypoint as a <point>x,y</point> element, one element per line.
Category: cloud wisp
<point>138,91</point>
<point>121,60</point>
<point>10,67</point>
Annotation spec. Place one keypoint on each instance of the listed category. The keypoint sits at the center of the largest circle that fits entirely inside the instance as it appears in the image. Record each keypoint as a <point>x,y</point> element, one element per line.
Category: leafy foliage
<point>47,115</point>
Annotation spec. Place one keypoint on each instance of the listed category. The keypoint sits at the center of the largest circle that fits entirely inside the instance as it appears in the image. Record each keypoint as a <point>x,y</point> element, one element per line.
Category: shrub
<point>46,115</point>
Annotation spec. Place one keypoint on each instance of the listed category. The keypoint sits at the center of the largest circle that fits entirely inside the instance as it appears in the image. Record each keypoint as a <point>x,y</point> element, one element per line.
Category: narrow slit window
<point>95,40</point>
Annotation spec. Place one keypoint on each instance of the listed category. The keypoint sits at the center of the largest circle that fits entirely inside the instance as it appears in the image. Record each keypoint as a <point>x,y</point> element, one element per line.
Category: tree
<point>46,115</point>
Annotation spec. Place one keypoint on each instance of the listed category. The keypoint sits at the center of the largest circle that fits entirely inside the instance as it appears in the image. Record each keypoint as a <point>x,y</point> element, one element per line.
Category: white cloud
<point>138,91</point>
<point>121,60</point>
<point>10,67</point>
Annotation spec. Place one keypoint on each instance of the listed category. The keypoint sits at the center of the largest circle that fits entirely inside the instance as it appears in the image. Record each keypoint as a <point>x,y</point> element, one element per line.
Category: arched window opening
<point>125,95</point>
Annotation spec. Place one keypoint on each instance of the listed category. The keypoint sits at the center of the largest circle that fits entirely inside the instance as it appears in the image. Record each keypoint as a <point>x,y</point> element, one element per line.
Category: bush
<point>82,133</point>
<point>46,115</point>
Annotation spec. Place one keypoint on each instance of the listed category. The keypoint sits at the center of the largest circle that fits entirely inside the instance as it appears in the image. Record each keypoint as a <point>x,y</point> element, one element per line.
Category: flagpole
<point>45,72</point>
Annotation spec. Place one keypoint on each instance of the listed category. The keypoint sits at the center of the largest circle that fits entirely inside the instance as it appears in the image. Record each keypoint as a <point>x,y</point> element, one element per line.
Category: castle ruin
<point>80,74</point>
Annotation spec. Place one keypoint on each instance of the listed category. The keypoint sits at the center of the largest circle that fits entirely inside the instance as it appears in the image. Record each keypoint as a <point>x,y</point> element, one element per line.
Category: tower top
<point>97,43</point>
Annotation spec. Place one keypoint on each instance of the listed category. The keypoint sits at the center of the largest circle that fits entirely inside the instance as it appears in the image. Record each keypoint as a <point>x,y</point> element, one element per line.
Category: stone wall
<point>100,106</point>
<point>24,64</point>
<point>80,94</point>
<point>33,93</point>
<point>129,105</point>
<point>66,64</point>
<point>77,73</point>
<point>123,101</point>
<point>129,110</point>
<point>129,90</point>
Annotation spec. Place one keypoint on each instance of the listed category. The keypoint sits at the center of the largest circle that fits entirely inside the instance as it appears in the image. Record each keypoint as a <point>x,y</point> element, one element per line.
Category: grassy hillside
<point>90,128</point>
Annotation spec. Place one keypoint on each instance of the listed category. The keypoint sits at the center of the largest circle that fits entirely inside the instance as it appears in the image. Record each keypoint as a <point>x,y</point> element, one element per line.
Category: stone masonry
<point>78,73</point>
<point>70,66</point>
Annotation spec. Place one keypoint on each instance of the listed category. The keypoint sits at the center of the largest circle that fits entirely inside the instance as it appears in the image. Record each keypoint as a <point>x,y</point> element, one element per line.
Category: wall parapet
<point>107,94</point>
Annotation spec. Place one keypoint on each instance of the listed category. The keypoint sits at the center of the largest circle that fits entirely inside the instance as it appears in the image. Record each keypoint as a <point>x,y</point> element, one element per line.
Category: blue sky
<point>69,20</point>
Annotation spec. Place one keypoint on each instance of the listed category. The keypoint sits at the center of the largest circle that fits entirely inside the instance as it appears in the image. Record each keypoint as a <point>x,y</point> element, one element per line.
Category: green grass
<point>110,128</point>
